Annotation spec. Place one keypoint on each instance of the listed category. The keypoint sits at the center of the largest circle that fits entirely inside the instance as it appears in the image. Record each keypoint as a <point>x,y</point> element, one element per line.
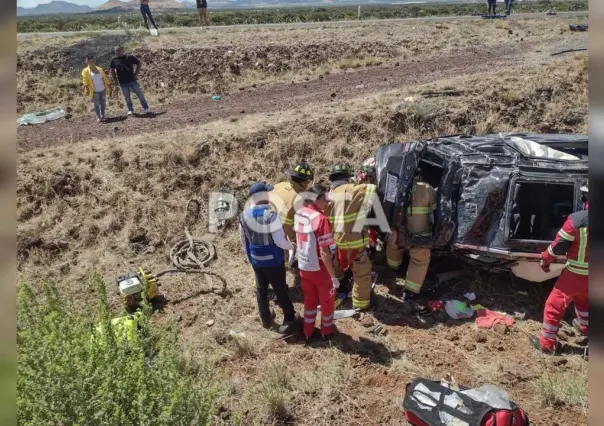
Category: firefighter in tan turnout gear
<point>419,221</point>
<point>349,205</point>
<point>300,178</point>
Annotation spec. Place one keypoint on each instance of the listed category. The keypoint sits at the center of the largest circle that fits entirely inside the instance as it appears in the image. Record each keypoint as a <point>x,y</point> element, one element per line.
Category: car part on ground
<point>580,27</point>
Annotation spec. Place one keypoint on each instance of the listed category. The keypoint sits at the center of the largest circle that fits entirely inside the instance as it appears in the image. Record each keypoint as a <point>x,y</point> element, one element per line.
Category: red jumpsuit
<point>313,232</point>
<point>572,286</point>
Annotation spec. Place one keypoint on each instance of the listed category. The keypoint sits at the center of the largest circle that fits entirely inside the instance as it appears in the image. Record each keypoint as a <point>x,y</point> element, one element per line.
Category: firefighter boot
<point>537,345</point>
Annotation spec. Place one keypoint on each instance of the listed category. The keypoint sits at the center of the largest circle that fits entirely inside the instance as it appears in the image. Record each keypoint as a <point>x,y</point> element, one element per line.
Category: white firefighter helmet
<point>585,187</point>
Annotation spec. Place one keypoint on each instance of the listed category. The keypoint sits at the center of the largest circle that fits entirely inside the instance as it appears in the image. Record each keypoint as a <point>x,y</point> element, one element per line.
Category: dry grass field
<point>111,197</point>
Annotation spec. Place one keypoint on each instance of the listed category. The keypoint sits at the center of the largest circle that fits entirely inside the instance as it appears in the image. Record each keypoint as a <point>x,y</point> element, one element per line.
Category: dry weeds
<point>86,203</point>
<point>217,64</point>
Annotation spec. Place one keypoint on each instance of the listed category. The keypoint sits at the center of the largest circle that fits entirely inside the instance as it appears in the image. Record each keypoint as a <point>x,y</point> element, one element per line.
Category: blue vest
<point>261,249</point>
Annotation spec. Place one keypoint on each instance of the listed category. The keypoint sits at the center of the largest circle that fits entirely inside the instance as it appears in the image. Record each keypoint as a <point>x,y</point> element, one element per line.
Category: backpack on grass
<point>430,403</point>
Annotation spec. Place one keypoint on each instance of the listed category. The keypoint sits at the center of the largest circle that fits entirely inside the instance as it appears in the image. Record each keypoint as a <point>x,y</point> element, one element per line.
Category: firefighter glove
<point>544,266</point>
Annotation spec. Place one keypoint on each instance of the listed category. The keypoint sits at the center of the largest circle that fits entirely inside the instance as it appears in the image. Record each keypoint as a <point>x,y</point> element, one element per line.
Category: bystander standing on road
<point>202,8</point>
<point>125,69</point>
<point>508,6</point>
<point>96,86</point>
<point>492,6</point>
<point>146,12</point>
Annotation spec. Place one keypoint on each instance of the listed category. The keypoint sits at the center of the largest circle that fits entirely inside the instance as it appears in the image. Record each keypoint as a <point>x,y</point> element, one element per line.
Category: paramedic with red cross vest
<point>572,285</point>
<point>315,242</point>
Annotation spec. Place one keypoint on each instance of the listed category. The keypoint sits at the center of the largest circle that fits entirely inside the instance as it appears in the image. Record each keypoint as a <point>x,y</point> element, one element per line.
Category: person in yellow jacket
<point>419,222</point>
<point>96,86</point>
<point>349,205</point>
<point>300,178</point>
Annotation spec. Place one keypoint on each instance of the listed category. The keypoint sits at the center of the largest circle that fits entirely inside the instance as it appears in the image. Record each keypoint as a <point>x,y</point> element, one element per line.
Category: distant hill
<point>53,7</point>
<point>117,5</point>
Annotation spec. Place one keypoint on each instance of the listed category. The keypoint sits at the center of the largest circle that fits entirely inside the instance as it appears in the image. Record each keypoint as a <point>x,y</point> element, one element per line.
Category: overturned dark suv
<point>501,198</point>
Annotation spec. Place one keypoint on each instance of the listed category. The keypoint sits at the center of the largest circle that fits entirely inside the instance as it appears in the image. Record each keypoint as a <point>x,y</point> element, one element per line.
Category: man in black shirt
<point>125,69</point>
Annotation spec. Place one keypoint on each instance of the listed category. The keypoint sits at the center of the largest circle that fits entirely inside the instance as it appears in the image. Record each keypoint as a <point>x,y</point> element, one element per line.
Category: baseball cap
<point>260,187</point>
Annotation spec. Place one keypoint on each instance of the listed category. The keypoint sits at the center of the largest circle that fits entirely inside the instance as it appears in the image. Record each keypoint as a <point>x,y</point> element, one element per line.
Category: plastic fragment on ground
<point>41,117</point>
<point>458,310</point>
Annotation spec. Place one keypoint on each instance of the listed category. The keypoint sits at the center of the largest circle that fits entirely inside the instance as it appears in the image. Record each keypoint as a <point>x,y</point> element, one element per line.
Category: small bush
<point>68,376</point>
<point>272,391</point>
<point>563,388</point>
<point>501,25</point>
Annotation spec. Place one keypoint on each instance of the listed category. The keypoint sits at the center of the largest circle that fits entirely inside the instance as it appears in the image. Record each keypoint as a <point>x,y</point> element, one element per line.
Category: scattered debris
<point>568,51</point>
<point>347,313</point>
<point>436,305</point>
<point>458,310</point>
<point>580,27</point>
<point>210,323</point>
<point>41,117</point>
<point>519,315</point>
<point>377,330</point>
<point>470,296</point>
<point>360,86</point>
<point>445,92</point>
<point>486,318</point>
<point>216,97</point>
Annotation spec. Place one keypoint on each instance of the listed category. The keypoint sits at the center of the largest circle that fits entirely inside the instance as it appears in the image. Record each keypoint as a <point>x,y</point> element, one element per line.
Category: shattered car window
<point>535,150</point>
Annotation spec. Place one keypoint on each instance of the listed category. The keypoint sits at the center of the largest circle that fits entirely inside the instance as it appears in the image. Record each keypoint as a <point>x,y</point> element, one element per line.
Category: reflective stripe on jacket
<point>572,241</point>
<point>260,247</point>
<point>347,213</point>
<point>423,204</point>
<point>287,192</point>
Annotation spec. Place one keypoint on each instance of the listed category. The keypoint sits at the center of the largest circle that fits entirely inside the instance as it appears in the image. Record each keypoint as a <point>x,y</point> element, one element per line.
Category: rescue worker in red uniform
<point>572,286</point>
<point>315,260</point>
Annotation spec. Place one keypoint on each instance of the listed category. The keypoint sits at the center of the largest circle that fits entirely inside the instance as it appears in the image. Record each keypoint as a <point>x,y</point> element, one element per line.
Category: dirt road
<point>279,97</point>
<point>25,36</point>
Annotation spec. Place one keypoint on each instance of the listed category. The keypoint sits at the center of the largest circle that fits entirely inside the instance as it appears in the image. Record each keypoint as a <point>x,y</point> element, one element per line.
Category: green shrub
<point>67,377</point>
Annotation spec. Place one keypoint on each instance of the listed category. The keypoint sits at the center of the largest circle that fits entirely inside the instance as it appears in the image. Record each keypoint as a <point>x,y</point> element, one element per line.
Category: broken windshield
<point>536,150</point>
